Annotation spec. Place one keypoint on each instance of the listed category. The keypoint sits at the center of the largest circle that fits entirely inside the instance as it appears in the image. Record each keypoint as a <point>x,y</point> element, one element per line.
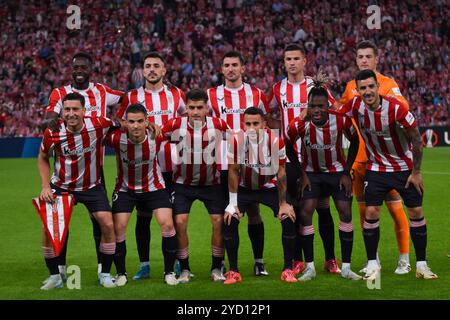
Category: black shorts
<point>377,184</point>
<point>95,199</point>
<point>147,201</point>
<point>269,197</point>
<point>185,195</point>
<point>293,177</point>
<point>224,184</point>
<point>167,176</point>
<point>323,185</point>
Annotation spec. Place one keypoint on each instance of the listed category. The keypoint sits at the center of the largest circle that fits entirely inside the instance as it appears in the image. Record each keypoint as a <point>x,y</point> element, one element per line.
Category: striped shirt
<point>162,105</point>
<point>78,155</point>
<point>259,160</point>
<point>291,99</point>
<point>322,146</point>
<point>230,104</point>
<point>383,130</point>
<point>137,165</point>
<point>97,97</point>
<point>196,158</point>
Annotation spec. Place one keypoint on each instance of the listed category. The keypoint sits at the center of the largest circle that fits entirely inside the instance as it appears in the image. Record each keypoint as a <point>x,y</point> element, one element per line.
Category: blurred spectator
<point>35,51</point>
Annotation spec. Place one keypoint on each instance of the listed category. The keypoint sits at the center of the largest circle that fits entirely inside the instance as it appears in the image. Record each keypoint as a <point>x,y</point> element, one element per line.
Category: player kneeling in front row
<point>325,173</point>
<point>256,174</point>
<point>77,143</point>
<point>140,182</point>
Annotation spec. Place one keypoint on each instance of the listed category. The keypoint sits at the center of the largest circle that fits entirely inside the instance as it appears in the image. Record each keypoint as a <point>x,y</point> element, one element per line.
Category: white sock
<point>145,263</point>
<point>345,266</point>
<point>55,277</point>
<point>310,265</point>
<point>421,264</point>
<point>259,260</point>
<point>372,264</point>
<point>62,269</point>
<point>404,257</point>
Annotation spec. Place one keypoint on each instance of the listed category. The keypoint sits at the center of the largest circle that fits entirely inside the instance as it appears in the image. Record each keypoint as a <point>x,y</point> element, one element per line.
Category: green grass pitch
<point>22,267</point>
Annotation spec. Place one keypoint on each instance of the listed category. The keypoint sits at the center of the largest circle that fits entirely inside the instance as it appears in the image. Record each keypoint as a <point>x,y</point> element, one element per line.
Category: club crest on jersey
<point>384,120</point>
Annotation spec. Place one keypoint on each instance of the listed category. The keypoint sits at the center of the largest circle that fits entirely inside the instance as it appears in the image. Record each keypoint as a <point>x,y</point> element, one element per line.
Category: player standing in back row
<point>228,102</point>
<point>289,97</point>
<point>98,97</point>
<point>163,102</point>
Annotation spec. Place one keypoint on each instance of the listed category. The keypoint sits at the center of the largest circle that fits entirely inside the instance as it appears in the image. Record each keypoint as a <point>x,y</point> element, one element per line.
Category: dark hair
<point>83,55</point>
<point>136,108</point>
<point>196,95</point>
<point>320,81</point>
<point>254,111</point>
<point>233,54</point>
<point>367,44</point>
<point>154,54</point>
<point>74,96</point>
<point>365,74</point>
<point>294,47</point>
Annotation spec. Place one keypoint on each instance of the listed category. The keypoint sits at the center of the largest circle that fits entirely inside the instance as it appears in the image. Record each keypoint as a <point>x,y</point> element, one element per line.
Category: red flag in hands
<point>56,217</point>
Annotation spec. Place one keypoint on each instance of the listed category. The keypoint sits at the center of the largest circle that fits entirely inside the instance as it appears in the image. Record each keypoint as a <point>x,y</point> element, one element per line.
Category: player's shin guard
<point>231,240</point>
<point>183,258</point>
<point>307,234</point>
<point>298,250</point>
<point>107,250</point>
<point>50,260</point>
<point>400,224</point>
<point>120,255</point>
<point>346,238</point>
<point>97,232</point>
<point>169,249</point>
<point>256,234</point>
<point>61,259</point>
<point>218,254</point>
<point>288,238</point>
<point>326,231</point>
<point>371,237</point>
<point>142,233</point>
<point>418,229</point>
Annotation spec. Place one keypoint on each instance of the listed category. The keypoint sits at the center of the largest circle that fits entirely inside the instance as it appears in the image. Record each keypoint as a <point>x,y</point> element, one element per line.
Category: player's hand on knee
<point>346,182</point>
<point>415,178</point>
<point>286,211</point>
<point>230,212</point>
<point>47,194</point>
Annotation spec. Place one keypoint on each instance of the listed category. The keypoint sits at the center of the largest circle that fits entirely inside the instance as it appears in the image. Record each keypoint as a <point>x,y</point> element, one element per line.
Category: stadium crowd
<point>36,47</point>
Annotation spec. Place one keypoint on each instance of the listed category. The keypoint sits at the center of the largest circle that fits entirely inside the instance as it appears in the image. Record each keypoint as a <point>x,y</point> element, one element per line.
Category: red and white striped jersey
<point>137,165</point>
<point>322,146</point>
<point>259,160</point>
<point>78,155</point>
<point>162,105</point>
<point>97,97</point>
<point>291,99</point>
<point>197,156</point>
<point>230,104</point>
<point>387,146</point>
